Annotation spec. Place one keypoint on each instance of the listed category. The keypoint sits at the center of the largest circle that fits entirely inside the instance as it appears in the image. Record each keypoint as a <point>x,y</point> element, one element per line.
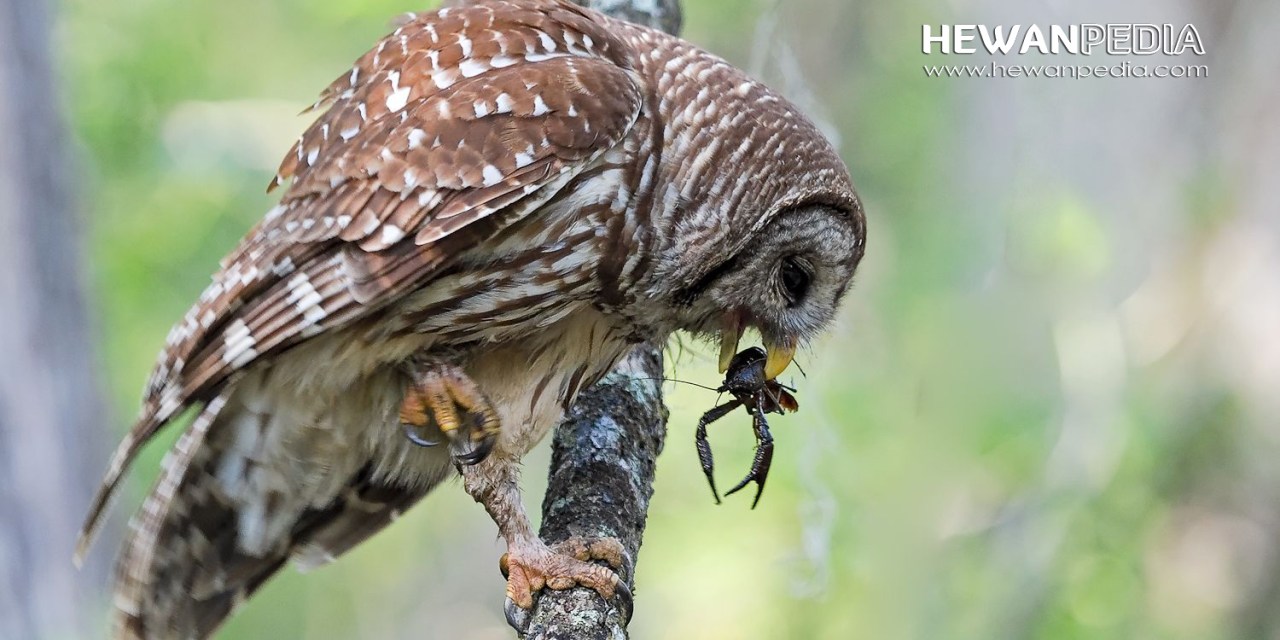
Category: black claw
<point>745,481</point>
<point>485,447</point>
<point>469,458</point>
<point>712,482</point>
<point>704,456</point>
<point>763,459</point>
<point>759,488</point>
<point>477,454</point>
<point>704,448</point>
<point>626,563</point>
<point>516,617</point>
<point>625,601</point>
<point>414,435</point>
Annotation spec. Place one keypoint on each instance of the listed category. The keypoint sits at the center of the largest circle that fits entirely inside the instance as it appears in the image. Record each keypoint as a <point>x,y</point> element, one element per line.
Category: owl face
<point>786,282</point>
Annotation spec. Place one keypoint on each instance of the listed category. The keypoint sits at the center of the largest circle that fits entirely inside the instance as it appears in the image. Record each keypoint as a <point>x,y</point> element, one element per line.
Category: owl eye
<point>795,280</point>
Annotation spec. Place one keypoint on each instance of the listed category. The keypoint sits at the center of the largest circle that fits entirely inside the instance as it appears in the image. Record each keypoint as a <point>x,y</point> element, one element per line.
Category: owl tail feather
<point>184,568</point>
<point>148,424</point>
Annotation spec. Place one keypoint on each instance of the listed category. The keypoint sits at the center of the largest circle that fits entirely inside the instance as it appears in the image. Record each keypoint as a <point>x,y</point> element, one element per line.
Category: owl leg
<point>442,398</point>
<point>529,564</point>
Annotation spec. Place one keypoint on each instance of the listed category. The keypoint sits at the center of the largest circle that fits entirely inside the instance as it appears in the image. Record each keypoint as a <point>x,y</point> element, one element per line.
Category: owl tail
<point>185,568</point>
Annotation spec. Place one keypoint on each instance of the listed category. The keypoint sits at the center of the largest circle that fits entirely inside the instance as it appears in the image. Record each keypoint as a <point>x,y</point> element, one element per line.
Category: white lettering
<point>1034,40</point>
<point>964,34</point>
<point>1064,39</point>
<point>1146,39</point>
<point>1094,35</point>
<point>994,40</point>
<point>1190,39</point>
<point>1119,39</point>
<point>927,38</point>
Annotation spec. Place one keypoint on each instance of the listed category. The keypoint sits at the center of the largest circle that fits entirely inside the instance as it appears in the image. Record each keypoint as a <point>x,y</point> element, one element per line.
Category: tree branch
<point>602,466</point>
<point>604,454</point>
<point>664,15</point>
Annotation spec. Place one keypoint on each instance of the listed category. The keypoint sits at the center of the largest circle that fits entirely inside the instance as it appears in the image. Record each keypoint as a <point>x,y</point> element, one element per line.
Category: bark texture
<point>602,467</point>
<point>603,455</point>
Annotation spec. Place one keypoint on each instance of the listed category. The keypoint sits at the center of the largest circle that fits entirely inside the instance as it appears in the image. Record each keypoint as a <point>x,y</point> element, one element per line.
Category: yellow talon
<point>443,397</point>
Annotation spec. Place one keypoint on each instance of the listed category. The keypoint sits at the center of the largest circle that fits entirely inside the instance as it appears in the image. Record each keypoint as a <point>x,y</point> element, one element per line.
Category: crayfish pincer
<point>745,381</point>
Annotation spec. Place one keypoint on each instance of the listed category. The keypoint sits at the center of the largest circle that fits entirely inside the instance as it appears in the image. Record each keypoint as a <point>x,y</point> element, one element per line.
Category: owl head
<point>786,281</point>
<point>762,228</point>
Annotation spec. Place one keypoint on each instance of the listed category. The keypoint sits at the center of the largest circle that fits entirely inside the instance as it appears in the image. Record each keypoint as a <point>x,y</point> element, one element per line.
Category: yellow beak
<point>778,355</point>
<point>729,337</point>
<point>778,358</point>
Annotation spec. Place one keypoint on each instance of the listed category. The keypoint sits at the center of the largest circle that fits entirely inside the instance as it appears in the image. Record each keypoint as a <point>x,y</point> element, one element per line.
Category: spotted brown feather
<point>312,265</point>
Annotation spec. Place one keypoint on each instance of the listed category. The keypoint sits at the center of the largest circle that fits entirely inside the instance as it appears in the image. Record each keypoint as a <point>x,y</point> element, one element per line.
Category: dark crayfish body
<point>745,381</point>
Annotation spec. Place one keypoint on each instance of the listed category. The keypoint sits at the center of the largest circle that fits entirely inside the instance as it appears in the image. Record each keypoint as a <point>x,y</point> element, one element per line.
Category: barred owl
<point>498,201</point>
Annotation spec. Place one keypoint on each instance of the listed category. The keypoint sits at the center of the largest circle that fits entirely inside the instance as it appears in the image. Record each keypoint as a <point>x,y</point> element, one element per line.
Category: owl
<point>497,203</point>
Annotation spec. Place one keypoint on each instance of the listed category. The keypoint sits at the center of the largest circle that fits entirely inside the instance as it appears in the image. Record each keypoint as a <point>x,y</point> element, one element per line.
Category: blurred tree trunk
<point>50,405</point>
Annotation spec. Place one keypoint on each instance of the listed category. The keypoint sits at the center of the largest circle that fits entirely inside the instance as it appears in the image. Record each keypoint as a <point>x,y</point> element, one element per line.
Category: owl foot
<point>609,550</point>
<point>530,567</point>
<point>443,400</point>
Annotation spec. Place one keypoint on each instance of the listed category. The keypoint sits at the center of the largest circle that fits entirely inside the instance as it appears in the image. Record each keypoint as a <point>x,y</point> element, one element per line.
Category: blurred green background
<point>1049,410</point>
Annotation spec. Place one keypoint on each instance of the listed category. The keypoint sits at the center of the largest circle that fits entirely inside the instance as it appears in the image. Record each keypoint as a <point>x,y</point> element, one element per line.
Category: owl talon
<point>517,617</point>
<point>413,434</point>
<point>477,454</point>
<point>442,398</point>
<point>531,567</point>
<point>609,550</point>
<point>626,602</point>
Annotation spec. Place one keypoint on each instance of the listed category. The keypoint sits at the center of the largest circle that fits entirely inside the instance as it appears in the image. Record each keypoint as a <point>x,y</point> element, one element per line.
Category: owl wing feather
<point>455,126</point>
<point>157,592</point>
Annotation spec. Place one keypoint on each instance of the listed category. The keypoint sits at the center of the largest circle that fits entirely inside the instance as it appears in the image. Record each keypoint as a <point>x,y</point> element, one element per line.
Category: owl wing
<point>455,126</point>
<point>183,571</point>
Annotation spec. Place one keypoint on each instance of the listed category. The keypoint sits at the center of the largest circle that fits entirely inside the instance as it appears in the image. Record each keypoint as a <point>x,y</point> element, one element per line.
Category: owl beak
<point>778,353</point>
<point>730,335</point>
<point>778,357</point>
